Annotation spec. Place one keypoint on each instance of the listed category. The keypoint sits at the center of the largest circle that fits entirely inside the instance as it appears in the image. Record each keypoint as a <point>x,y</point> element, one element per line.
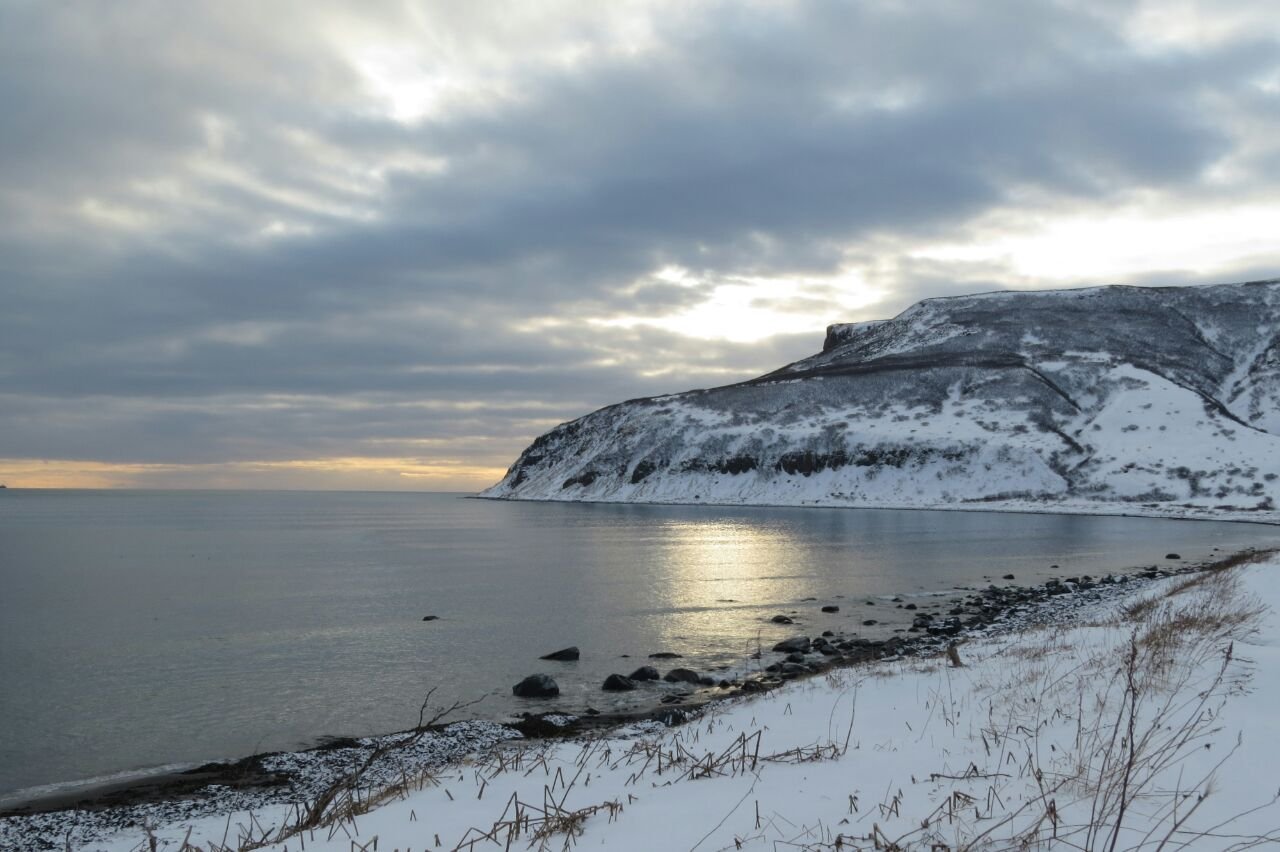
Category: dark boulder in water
<point>536,686</point>
<point>796,643</point>
<point>618,683</point>
<point>644,673</point>
<point>682,676</point>
<point>564,655</point>
<point>831,608</point>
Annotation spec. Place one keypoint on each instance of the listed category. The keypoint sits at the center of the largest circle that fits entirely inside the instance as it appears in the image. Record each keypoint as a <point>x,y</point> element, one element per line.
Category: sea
<point>148,630</point>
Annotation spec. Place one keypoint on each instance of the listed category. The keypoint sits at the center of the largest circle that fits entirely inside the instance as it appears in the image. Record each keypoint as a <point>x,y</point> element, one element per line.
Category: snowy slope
<point>1160,401</point>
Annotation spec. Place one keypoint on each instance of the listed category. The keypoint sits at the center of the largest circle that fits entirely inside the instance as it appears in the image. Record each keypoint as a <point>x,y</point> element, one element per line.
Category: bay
<point>142,629</point>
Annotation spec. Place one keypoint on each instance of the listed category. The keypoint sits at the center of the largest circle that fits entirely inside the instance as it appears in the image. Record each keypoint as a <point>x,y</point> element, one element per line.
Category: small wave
<point>15,798</point>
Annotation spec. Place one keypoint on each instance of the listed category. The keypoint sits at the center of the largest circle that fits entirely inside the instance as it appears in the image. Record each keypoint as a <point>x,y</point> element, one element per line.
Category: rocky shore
<point>678,693</point>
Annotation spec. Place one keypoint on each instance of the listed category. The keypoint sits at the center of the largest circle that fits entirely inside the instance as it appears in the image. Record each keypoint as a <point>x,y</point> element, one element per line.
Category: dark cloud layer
<point>224,248</point>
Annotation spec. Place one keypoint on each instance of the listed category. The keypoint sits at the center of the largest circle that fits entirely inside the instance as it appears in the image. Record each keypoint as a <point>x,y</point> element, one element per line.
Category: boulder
<point>682,676</point>
<point>644,673</point>
<point>831,608</point>
<point>796,643</point>
<point>792,670</point>
<point>563,655</point>
<point>536,686</point>
<point>618,683</point>
<point>782,619</point>
<point>665,655</point>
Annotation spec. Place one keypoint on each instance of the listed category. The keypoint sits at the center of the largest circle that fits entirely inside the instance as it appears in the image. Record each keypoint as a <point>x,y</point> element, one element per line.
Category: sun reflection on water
<point>723,577</point>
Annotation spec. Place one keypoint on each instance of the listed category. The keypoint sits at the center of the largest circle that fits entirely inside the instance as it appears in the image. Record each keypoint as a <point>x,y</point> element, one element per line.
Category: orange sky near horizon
<point>336,474</point>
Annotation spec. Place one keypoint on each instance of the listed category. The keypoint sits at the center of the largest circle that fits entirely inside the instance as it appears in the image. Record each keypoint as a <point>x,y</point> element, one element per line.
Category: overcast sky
<point>387,244</point>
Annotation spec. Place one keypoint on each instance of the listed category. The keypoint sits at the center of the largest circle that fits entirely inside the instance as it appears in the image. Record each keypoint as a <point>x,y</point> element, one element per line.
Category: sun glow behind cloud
<point>1106,246</point>
<point>408,91</point>
<point>744,309</point>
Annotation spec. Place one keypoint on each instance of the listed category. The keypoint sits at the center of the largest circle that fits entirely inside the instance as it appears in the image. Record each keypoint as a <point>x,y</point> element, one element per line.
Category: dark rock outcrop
<point>796,643</point>
<point>618,683</point>
<point>682,676</point>
<point>536,686</point>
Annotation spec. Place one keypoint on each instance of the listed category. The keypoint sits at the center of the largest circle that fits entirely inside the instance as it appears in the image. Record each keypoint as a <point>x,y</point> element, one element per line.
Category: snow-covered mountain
<point>1159,401</point>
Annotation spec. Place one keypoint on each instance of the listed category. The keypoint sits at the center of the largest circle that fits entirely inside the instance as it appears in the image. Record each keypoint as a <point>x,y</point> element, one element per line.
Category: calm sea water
<point>140,629</point>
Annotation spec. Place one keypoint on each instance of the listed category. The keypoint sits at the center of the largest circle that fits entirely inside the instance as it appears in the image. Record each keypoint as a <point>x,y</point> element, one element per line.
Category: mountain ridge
<point>1048,400</point>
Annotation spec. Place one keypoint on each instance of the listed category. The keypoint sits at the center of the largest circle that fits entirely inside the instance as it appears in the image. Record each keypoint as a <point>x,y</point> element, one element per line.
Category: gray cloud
<point>210,211</point>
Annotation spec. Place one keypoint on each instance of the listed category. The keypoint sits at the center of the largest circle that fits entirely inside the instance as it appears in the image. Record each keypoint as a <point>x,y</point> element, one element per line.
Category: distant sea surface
<point>143,629</point>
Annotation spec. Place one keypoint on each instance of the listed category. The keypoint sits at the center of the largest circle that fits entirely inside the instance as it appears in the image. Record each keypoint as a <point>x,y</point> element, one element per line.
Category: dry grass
<point>1138,718</point>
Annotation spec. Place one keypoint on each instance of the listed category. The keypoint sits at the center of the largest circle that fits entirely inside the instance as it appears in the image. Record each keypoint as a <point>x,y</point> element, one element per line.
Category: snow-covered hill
<point>1159,401</point>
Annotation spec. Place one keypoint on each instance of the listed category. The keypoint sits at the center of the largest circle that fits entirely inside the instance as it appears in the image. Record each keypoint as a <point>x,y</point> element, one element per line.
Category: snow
<point>1016,746</point>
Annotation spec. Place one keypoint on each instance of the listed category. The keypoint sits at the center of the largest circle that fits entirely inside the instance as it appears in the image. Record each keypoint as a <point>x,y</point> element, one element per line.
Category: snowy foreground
<point>1145,723</point>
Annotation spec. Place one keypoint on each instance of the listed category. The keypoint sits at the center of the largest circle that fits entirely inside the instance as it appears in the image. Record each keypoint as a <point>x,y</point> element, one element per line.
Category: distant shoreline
<point>1272,518</point>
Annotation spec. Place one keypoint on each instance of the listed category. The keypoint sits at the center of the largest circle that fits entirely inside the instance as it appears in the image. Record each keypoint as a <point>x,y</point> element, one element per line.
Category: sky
<point>384,245</point>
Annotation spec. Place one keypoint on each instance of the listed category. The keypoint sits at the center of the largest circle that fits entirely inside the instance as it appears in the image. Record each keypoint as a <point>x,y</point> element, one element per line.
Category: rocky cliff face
<point>1114,399</point>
